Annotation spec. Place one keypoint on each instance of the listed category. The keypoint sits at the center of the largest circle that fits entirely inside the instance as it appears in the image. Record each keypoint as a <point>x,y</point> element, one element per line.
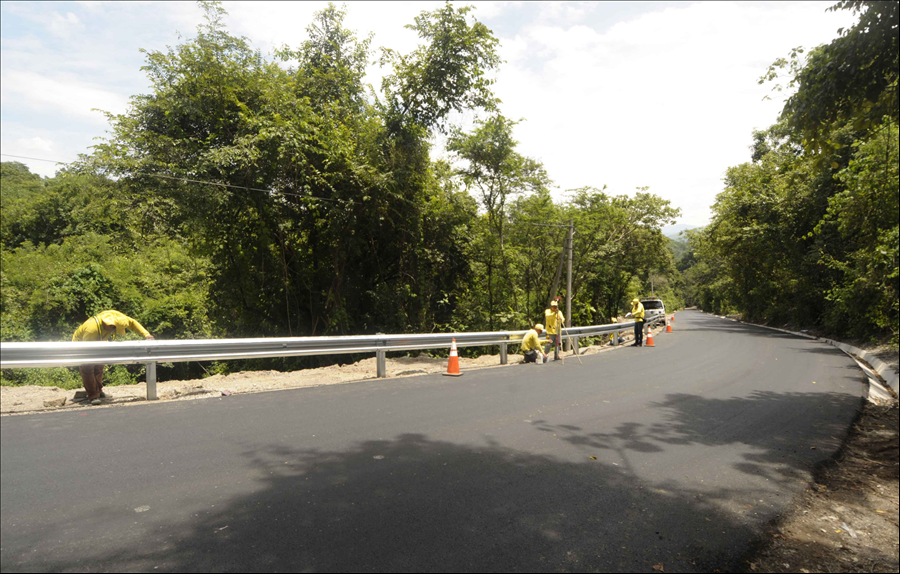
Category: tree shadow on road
<point>782,456</point>
<point>413,504</point>
<point>416,505</point>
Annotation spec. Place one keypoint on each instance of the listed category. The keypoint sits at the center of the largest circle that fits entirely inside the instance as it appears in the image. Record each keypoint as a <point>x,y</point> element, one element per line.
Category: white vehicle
<point>653,307</point>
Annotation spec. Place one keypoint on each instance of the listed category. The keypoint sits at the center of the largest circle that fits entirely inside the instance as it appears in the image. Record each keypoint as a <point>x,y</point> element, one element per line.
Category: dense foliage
<point>807,232</point>
<point>249,197</point>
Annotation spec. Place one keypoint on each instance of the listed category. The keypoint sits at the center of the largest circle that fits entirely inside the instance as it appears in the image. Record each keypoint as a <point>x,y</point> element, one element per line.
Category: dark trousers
<point>530,356</point>
<point>92,379</point>
<point>554,342</point>
<point>639,332</point>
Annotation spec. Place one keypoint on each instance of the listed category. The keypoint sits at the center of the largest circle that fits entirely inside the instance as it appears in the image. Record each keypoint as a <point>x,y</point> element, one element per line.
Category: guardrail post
<point>382,364</point>
<point>380,360</point>
<point>503,358</point>
<point>151,381</point>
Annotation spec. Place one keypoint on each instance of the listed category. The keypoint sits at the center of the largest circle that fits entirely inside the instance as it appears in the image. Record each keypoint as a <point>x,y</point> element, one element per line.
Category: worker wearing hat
<point>637,311</point>
<point>531,346</point>
<point>554,320</point>
<point>101,327</point>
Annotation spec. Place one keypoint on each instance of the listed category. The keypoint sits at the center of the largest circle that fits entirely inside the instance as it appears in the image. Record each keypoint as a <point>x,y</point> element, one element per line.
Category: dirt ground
<point>847,521</point>
<point>34,399</point>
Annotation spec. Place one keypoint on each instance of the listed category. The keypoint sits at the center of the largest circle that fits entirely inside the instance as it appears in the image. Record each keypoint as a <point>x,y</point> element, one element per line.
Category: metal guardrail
<point>151,352</point>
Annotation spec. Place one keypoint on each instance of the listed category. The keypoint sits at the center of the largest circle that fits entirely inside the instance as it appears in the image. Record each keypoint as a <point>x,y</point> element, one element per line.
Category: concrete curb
<point>890,376</point>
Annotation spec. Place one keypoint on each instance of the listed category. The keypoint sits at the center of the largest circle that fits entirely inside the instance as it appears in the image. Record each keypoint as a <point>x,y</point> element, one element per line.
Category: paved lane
<point>676,454</point>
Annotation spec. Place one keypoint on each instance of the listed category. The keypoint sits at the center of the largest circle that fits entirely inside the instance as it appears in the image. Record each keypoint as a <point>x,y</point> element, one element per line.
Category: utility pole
<point>569,286</point>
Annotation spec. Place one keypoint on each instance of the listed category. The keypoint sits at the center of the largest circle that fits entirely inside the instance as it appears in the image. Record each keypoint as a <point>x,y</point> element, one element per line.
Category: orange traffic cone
<point>668,327</point>
<point>453,363</point>
<point>649,342</point>
<point>673,316</point>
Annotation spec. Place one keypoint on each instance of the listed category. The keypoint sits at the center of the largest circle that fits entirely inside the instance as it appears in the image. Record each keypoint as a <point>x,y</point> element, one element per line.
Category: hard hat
<point>554,303</point>
<point>635,300</point>
<point>538,327</point>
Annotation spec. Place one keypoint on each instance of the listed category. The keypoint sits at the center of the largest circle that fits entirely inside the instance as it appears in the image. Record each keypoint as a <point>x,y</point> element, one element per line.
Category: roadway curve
<point>676,455</point>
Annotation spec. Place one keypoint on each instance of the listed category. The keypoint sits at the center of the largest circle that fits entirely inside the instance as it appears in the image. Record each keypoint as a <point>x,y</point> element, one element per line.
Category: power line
<point>184,179</point>
<point>35,158</point>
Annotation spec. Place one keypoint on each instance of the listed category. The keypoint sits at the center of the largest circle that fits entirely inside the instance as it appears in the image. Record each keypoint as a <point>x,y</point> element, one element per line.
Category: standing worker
<point>531,346</point>
<point>637,311</point>
<point>554,320</point>
<point>101,327</point>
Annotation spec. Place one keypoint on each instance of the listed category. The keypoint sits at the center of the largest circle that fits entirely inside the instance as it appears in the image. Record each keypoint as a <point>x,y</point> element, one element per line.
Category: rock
<point>55,402</point>
<point>226,393</point>
<point>411,372</point>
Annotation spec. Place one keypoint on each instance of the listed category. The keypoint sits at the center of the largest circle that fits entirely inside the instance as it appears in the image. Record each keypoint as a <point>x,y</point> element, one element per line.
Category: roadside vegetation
<point>806,232</point>
<point>264,196</point>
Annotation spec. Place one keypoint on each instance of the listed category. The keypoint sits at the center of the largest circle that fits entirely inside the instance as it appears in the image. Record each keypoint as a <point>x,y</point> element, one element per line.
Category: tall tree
<point>496,171</point>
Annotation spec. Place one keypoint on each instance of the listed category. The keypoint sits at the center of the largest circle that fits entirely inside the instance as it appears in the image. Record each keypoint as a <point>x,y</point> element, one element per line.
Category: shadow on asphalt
<point>416,505</point>
<point>691,419</point>
<point>412,504</point>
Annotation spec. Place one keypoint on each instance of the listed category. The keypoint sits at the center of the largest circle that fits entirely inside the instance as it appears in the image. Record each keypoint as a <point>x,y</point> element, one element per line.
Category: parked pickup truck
<point>653,307</point>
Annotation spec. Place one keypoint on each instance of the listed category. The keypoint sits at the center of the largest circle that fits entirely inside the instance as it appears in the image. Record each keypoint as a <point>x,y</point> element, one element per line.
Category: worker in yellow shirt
<point>554,320</point>
<point>101,327</point>
<point>637,311</point>
<point>531,346</point>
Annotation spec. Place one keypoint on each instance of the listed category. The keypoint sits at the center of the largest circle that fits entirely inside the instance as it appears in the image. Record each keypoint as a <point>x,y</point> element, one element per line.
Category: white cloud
<point>668,99</point>
<point>65,96</point>
<point>64,25</point>
<point>487,10</point>
<point>38,144</point>
<point>565,12</point>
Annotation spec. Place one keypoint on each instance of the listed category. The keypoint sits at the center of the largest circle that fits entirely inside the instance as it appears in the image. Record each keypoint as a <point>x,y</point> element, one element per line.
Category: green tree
<point>853,79</point>
<point>495,171</point>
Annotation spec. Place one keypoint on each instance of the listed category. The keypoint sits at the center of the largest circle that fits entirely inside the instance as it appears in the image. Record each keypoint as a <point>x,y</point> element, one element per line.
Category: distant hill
<point>679,247</point>
<point>672,231</point>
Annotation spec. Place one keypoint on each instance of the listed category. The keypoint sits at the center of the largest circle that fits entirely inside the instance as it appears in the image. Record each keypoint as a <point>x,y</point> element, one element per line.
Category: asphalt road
<point>675,455</point>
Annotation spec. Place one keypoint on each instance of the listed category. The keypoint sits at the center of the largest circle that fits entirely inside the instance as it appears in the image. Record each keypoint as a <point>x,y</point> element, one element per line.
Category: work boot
<point>95,401</point>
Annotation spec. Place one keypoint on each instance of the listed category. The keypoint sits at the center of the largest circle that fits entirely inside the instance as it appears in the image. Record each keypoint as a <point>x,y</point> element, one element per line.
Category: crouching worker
<point>531,346</point>
<point>101,327</point>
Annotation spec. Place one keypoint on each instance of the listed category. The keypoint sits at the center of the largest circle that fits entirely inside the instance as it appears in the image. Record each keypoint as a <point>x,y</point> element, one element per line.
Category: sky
<point>616,94</point>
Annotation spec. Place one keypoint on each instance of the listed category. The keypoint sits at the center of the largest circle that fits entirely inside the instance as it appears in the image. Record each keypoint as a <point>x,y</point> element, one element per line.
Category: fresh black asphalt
<point>676,455</point>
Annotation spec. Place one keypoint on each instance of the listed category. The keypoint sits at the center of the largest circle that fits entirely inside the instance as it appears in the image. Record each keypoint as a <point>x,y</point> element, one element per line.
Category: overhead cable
<point>184,179</point>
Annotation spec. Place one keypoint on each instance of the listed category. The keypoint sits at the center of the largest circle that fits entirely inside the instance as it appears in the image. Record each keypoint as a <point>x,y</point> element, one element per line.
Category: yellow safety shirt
<point>550,321</point>
<point>530,342</point>
<point>91,329</point>
<point>637,311</point>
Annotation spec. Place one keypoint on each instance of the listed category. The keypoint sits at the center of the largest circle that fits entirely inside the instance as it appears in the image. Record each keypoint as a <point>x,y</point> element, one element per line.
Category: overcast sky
<point>658,94</point>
